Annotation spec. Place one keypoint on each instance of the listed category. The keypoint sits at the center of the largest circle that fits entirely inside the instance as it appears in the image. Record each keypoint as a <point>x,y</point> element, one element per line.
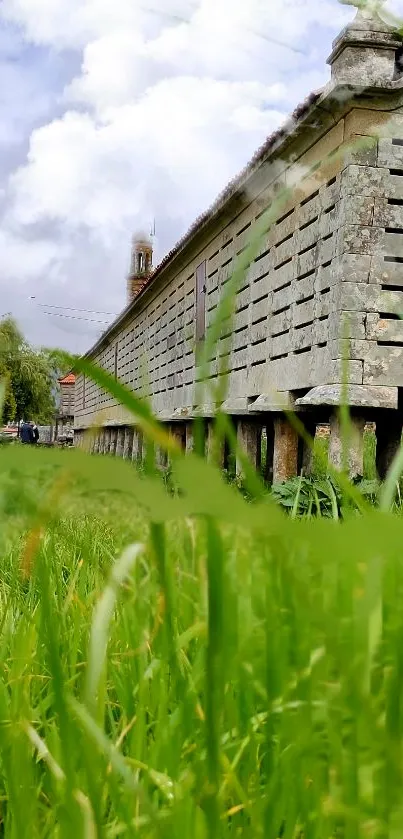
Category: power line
<point>73,317</point>
<point>73,309</point>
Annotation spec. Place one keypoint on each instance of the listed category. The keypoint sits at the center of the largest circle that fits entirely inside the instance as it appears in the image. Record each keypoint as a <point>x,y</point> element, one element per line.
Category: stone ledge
<point>273,403</point>
<point>358,396</point>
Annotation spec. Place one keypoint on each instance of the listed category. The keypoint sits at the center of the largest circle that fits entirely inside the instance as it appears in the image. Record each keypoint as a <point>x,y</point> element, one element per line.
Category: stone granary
<point>327,282</point>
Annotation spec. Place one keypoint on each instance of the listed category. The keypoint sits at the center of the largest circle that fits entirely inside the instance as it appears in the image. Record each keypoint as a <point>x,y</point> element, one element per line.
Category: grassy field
<point>192,664</point>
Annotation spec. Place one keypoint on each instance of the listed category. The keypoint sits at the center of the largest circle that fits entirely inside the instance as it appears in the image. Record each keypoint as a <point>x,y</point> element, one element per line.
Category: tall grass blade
<point>98,642</point>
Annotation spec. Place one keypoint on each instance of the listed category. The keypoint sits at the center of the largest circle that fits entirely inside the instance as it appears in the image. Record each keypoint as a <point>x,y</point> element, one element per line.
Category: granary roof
<point>67,380</point>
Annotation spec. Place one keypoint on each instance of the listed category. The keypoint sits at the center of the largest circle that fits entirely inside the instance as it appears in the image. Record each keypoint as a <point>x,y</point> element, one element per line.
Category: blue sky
<point>112,113</point>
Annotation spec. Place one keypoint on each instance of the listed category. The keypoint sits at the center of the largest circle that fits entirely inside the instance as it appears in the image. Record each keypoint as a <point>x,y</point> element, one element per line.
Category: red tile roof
<point>67,380</point>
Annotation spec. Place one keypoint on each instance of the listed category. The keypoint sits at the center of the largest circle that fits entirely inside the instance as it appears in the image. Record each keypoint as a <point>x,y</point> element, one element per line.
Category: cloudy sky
<point>113,112</point>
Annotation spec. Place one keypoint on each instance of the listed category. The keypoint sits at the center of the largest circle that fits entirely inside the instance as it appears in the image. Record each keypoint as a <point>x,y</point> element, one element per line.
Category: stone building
<point>329,268</point>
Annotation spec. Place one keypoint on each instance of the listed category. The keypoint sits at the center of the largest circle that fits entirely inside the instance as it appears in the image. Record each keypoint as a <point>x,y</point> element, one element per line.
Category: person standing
<point>27,433</point>
<point>35,432</point>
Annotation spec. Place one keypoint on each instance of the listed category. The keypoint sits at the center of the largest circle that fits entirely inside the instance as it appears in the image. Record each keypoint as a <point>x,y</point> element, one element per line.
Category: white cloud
<point>166,108</point>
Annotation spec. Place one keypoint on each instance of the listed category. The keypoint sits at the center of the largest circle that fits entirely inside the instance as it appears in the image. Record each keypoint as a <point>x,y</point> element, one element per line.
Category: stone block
<point>281,345</point>
<point>359,396</point>
<point>385,273</point>
<point>329,222</point>
<point>354,349</point>
<point>342,324</point>
<point>365,181</point>
<point>391,244</point>
<point>387,215</point>
<point>354,238</point>
<point>355,297</point>
<point>304,313</point>
<point>390,155</point>
<point>306,262</point>
<point>385,367</point>
<point>361,150</point>
<point>276,401</point>
<point>381,329</point>
<point>357,209</point>
<point>335,372</point>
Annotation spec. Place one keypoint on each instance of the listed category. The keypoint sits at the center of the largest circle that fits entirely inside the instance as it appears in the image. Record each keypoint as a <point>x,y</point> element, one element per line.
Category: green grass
<point>236,674</point>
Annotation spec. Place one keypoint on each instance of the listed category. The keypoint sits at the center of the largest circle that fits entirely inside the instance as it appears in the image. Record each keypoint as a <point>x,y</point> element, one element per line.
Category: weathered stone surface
<point>360,396</point>
<point>128,443</point>
<point>364,52</point>
<point>161,458</point>
<point>137,451</point>
<point>386,273</point>
<point>353,445</point>
<point>120,442</point>
<point>381,329</point>
<point>190,443</point>
<point>215,449</point>
<point>388,442</point>
<point>285,456</point>
<point>236,405</point>
<point>385,367</point>
<point>113,439</point>
<point>305,452</point>
<point>273,402</point>
<point>248,436</point>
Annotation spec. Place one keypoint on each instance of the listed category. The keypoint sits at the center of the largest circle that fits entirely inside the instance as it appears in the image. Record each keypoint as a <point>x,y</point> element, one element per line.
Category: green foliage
<point>191,664</point>
<point>28,377</point>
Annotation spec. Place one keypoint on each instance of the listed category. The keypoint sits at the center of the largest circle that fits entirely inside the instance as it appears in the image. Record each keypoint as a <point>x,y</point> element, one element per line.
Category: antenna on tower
<point>152,231</point>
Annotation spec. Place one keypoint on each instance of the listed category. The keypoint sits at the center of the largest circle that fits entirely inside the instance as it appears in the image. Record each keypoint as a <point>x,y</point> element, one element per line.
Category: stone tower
<point>140,265</point>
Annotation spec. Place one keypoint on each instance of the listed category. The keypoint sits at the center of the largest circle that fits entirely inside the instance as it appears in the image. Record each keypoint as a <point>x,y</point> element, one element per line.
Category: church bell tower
<point>141,264</point>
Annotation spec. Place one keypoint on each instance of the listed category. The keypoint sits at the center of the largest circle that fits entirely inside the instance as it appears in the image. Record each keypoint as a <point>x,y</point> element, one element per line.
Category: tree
<point>28,375</point>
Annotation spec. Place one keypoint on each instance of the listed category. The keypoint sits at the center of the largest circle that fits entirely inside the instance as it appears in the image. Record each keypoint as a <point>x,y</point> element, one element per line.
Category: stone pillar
<point>285,455</point>
<point>113,441</point>
<point>178,432</point>
<point>107,440</point>
<point>120,442</point>
<point>128,443</point>
<point>189,445</point>
<point>388,441</point>
<point>249,439</point>
<point>137,450</point>
<point>161,458</point>
<point>305,452</point>
<point>267,466</point>
<point>215,453</point>
<point>355,444</point>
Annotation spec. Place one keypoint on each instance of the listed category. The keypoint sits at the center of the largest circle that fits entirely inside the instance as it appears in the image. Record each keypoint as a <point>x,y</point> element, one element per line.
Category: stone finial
<point>365,53</point>
<point>140,265</point>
